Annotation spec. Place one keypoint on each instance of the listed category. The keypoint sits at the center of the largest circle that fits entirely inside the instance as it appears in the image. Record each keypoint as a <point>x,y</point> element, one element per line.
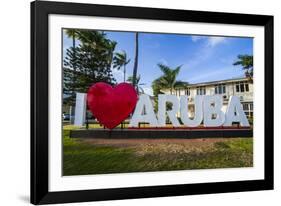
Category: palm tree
<point>138,84</point>
<point>120,60</point>
<point>135,70</point>
<point>169,78</point>
<point>93,39</point>
<point>72,33</point>
<point>246,61</point>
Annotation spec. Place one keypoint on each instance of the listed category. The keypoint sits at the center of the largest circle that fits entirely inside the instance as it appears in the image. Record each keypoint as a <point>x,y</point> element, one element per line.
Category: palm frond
<point>165,69</point>
<point>177,70</point>
<point>72,33</point>
<point>246,62</point>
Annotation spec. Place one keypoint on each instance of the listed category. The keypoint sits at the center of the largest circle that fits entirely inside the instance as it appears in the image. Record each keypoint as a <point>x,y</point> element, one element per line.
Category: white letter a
<point>144,112</point>
<point>235,113</point>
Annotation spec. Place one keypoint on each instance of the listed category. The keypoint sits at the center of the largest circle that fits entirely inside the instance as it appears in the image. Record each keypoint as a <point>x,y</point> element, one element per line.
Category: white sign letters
<point>207,109</point>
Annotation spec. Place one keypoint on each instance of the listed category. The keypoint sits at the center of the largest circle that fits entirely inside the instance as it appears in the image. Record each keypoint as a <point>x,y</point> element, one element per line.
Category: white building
<point>241,87</point>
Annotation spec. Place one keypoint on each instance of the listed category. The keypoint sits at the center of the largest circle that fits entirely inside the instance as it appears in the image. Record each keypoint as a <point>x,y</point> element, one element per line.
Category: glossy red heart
<point>111,105</point>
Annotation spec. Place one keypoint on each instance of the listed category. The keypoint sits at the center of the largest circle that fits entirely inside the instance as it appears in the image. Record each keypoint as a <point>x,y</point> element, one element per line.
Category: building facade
<point>241,87</point>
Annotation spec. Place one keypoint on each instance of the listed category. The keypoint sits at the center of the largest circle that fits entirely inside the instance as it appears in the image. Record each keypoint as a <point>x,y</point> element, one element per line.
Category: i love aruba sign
<point>112,105</point>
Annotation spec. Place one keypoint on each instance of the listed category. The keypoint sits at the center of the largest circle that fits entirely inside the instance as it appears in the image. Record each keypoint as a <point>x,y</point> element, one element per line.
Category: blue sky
<point>203,58</point>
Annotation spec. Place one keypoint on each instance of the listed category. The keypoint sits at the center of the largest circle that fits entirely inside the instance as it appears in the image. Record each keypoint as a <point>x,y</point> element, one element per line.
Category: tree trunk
<point>74,52</point>
<point>124,73</point>
<point>136,59</point>
<point>74,66</point>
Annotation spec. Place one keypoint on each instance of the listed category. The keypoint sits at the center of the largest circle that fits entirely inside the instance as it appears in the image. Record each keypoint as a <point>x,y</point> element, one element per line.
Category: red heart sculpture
<point>111,105</point>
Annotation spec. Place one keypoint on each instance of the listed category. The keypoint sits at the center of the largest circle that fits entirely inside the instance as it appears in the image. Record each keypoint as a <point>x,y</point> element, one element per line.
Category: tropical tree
<point>135,70</point>
<point>93,58</point>
<point>138,84</point>
<point>72,33</point>
<point>246,61</point>
<point>120,60</point>
<point>169,79</point>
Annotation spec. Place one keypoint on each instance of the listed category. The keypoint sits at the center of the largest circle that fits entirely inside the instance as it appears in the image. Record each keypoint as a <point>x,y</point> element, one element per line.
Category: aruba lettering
<point>208,109</point>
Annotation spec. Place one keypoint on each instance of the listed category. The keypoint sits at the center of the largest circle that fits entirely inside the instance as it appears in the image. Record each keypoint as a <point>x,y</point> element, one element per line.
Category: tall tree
<point>70,75</point>
<point>120,60</point>
<point>94,59</point>
<point>72,33</point>
<point>135,70</point>
<point>169,79</point>
<point>246,61</point>
<point>138,84</point>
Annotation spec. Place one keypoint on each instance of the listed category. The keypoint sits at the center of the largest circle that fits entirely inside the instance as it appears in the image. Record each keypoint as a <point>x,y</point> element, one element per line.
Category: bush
<point>251,121</point>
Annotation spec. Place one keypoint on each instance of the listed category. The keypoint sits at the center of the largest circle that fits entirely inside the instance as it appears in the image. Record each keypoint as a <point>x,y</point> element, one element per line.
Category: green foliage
<point>72,33</point>
<point>87,63</point>
<point>246,61</point>
<point>137,84</point>
<point>156,88</point>
<point>120,60</point>
<point>251,120</point>
<point>167,81</point>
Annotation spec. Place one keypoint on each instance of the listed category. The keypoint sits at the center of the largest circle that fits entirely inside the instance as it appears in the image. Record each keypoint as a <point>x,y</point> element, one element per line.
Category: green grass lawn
<point>81,157</point>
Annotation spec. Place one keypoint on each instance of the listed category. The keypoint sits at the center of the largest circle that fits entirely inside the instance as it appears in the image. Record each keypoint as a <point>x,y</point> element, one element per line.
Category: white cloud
<point>197,38</point>
<point>204,51</point>
<point>210,41</point>
<point>215,40</point>
<point>201,55</point>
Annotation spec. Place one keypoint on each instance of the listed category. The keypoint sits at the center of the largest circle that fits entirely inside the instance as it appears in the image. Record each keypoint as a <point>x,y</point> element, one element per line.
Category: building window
<point>251,106</point>
<point>187,91</point>
<point>200,91</point>
<point>237,87</point>
<point>178,92</point>
<point>247,87</point>
<point>220,89</point>
<point>242,87</point>
<point>248,109</point>
<point>245,107</point>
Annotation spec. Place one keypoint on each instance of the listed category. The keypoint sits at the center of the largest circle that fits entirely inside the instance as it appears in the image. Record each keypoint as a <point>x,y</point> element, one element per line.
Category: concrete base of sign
<point>161,133</point>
